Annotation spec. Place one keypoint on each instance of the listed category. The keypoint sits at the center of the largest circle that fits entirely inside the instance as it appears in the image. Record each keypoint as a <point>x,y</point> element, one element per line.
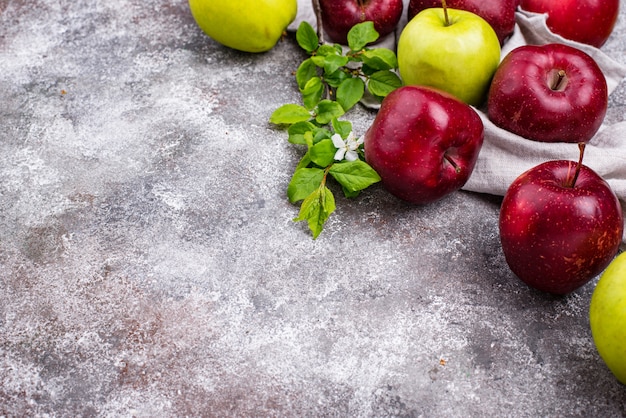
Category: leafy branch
<point>332,80</point>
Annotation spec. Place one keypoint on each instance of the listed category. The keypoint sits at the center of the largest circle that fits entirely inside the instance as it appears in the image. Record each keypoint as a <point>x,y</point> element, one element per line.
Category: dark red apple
<point>558,232</point>
<point>548,93</point>
<point>423,143</point>
<point>587,21</point>
<point>339,16</point>
<point>500,14</point>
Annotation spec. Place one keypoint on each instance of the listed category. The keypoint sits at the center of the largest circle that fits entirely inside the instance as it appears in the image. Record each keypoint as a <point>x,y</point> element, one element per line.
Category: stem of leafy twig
<point>318,17</point>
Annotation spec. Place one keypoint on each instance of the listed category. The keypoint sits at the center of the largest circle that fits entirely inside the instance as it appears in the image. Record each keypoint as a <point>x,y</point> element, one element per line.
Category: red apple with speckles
<point>500,14</point>
<point>423,143</point>
<point>587,21</point>
<point>548,93</point>
<point>560,225</point>
<point>339,16</point>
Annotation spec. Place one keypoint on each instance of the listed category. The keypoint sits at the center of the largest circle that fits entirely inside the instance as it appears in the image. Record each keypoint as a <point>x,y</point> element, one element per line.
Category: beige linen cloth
<point>504,156</point>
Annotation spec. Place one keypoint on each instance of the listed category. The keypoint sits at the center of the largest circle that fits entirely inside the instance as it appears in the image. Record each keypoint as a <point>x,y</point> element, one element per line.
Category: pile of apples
<point>560,223</point>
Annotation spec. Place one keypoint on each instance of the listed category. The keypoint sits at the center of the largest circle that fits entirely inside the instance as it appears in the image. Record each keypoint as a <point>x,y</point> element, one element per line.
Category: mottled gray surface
<point>149,265</point>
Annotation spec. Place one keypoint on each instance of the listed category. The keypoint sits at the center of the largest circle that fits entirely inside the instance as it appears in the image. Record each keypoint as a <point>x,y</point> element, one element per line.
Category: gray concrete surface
<point>149,265</point>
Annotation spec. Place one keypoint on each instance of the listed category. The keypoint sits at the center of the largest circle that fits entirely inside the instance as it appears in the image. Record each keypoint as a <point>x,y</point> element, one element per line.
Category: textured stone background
<point>149,265</point>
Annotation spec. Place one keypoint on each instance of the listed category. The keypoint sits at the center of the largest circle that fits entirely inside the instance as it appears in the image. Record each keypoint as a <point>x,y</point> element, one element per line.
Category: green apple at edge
<point>607,317</point>
<point>245,25</point>
<point>459,57</point>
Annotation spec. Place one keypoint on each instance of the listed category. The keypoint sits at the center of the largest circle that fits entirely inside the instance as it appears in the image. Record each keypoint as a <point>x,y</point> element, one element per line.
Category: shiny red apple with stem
<point>560,225</point>
<point>423,143</point>
<point>548,93</point>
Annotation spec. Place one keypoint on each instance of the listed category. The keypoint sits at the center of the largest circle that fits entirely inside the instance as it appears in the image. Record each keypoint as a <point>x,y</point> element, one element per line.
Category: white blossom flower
<point>346,148</point>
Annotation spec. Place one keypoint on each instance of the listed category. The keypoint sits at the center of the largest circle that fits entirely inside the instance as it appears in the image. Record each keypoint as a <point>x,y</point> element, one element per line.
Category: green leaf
<point>354,175</point>
<point>321,133</point>
<point>306,71</point>
<point>361,34</point>
<point>327,110</point>
<point>304,161</point>
<point>343,128</point>
<point>318,60</point>
<point>349,92</point>
<point>308,138</point>
<point>316,209</point>
<point>380,59</point>
<point>350,194</point>
<point>335,79</point>
<point>297,130</point>
<point>312,92</point>
<point>323,153</point>
<point>326,49</point>
<point>333,62</point>
<point>304,182</point>
<point>289,114</point>
<point>307,37</point>
<point>381,83</point>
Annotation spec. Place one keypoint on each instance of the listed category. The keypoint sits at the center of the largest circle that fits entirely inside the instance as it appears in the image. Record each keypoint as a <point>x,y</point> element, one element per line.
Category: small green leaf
<point>308,138</point>
<point>323,153</point>
<point>304,182</point>
<point>306,71</point>
<point>316,209</point>
<point>381,83</point>
<point>333,62</point>
<point>304,161</point>
<point>327,110</point>
<point>354,175</point>
<point>290,113</point>
<point>312,92</point>
<point>350,194</point>
<point>326,49</point>
<point>306,37</point>
<point>343,128</point>
<point>297,130</point>
<point>336,78</point>
<point>319,60</point>
<point>321,133</point>
<point>362,34</point>
<point>380,59</point>
<point>349,92</point>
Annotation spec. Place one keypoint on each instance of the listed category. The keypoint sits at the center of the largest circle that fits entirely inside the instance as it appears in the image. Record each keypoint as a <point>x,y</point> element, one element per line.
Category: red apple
<point>587,21</point>
<point>500,14</point>
<point>560,226</point>
<point>548,93</point>
<point>423,143</point>
<point>339,16</point>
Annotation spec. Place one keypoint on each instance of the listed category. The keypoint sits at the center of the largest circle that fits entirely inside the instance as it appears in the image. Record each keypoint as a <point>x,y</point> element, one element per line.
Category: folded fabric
<point>504,155</point>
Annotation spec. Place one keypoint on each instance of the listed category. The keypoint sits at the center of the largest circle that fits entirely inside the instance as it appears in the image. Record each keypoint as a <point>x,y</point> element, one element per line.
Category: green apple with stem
<point>245,25</point>
<point>453,50</point>
<point>607,316</point>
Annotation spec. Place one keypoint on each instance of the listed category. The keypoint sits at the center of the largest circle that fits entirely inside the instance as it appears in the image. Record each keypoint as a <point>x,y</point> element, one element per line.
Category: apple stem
<point>452,163</point>
<point>559,79</point>
<point>318,17</point>
<point>581,147</point>
<point>445,12</point>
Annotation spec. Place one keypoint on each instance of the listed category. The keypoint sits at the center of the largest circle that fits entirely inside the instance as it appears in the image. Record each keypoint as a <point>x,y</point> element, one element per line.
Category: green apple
<point>607,316</point>
<point>454,50</point>
<point>245,25</point>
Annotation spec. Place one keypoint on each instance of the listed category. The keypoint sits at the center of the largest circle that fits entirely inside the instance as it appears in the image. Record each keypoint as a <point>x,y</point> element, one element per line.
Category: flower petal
<point>338,142</point>
<point>351,156</point>
<point>340,153</point>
